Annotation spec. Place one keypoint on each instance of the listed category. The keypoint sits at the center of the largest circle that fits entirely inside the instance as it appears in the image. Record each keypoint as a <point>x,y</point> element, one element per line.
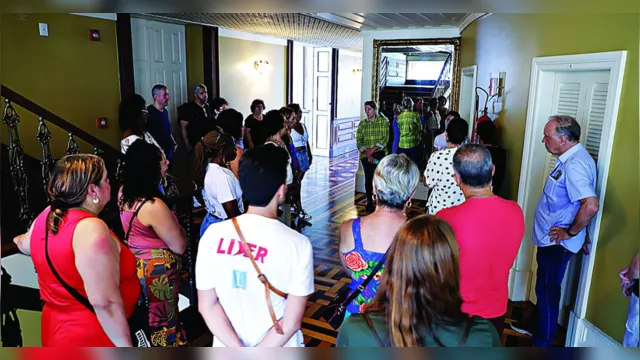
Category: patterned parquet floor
<point>328,194</point>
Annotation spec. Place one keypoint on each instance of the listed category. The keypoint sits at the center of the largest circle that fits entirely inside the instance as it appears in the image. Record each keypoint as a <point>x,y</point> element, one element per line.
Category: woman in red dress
<point>86,255</point>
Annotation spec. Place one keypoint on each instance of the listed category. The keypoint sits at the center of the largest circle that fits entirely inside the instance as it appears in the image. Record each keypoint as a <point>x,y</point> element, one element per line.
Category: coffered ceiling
<point>337,30</point>
<point>384,21</point>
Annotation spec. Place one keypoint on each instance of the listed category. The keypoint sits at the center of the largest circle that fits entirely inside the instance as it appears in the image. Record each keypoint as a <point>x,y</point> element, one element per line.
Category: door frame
<point>473,71</point>
<point>614,62</point>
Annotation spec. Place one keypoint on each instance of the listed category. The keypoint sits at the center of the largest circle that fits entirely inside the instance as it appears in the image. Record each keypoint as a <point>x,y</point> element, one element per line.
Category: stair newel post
<point>43,134</point>
<point>16,162</point>
<point>72,145</point>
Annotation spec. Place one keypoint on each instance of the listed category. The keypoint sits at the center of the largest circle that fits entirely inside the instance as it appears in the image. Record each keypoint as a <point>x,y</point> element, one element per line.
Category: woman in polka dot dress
<point>438,175</point>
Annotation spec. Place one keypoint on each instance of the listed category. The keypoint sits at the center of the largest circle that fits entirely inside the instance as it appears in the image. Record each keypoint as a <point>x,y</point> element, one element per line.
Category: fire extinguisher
<point>484,117</point>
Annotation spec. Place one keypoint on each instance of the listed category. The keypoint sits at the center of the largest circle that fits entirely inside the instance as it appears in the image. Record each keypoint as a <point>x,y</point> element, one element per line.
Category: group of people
<point>215,136</point>
<point>469,237</point>
<point>444,281</point>
<point>93,283</point>
<point>442,277</point>
<point>413,137</point>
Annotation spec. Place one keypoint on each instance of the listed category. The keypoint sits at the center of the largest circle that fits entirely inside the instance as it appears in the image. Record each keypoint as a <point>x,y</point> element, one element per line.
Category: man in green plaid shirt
<point>371,140</point>
<point>410,128</point>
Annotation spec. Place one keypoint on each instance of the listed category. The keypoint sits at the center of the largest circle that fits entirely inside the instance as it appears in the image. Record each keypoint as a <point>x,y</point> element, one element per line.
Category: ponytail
<point>203,151</point>
<point>58,210</point>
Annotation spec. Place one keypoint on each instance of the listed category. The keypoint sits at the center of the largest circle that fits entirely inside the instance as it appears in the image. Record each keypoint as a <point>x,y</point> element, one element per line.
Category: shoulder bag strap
<point>263,279</point>
<point>135,214</point>
<point>373,329</point>
<point>366,282</point>
<point>465,335</point>
<point>81,299</point>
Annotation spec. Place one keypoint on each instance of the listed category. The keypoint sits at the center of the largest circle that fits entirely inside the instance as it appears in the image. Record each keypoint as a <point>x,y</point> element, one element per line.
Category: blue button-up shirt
<point>573,179</point>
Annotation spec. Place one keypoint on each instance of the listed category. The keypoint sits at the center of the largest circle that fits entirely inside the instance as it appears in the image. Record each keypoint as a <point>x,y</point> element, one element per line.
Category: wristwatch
<point>570,234</point>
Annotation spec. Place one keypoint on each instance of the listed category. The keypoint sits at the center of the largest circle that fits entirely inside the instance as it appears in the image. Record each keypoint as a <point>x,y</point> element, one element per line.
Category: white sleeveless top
<point>300,140</point>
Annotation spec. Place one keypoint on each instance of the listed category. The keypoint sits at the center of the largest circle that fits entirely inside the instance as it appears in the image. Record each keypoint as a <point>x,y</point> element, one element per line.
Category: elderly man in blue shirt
<point>566,206</point>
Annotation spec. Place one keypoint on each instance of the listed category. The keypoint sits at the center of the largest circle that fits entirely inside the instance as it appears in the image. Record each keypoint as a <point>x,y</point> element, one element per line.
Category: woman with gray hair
<point>364,241</point>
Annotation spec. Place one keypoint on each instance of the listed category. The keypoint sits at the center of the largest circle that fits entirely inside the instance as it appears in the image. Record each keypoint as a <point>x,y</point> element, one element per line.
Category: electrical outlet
<point>44,29</point>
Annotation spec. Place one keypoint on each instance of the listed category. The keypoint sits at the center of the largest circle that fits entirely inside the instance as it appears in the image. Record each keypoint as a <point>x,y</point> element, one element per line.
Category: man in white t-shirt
<point>231,298</point>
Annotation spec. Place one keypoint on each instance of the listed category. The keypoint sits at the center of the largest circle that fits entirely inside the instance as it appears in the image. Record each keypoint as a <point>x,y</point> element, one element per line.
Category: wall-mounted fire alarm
<point>94,35</point>
<point>101,122</point>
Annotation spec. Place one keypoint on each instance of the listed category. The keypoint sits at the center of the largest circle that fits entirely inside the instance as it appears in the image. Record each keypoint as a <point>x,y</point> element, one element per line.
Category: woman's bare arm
<point>23,241</point>
<point>97,257</point>
<point>158,216</point>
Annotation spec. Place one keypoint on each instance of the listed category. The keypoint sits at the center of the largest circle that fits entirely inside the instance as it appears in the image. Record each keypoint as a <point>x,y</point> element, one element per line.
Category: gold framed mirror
<point>421,60</point>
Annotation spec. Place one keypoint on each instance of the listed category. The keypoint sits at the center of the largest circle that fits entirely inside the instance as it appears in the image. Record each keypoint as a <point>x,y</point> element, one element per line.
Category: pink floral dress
<point>360,263</point>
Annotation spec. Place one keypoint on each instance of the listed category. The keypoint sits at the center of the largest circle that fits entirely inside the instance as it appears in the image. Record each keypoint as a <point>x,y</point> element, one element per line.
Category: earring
<point>409,205</point>
<point>95,200</point>
<point>375,198</point>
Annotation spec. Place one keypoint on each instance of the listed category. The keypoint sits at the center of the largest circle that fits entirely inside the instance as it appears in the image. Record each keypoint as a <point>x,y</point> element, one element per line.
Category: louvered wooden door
<point>583,95</point>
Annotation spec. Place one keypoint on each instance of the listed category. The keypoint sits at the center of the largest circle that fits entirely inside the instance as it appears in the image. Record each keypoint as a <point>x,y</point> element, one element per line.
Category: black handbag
<point>138,321</point>
<point>335,311</point>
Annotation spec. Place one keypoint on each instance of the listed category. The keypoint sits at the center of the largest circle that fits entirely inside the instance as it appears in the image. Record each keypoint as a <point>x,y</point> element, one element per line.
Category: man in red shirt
<point>489,231</point>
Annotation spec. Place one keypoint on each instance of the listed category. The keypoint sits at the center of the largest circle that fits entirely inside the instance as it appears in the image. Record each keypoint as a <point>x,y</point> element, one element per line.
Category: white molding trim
<point>411,33</point>
<point>582,333</point>
<point>350,53</point>
<point>235,34</point>
<point>614,62</point>
<point>519,284</point>
<point>469,19</point>
<point>105,16</point>
<point>473,72</point>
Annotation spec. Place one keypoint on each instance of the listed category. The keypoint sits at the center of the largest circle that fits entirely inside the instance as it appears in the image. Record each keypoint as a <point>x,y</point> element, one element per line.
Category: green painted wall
<point>66,73</point>
<point>508,42</point>
<point>73,77</point>
<point>195,58</point>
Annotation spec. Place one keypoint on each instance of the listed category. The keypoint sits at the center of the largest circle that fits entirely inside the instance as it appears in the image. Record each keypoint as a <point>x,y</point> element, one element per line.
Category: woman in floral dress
<point>364,241</point>
<point>155,237</point>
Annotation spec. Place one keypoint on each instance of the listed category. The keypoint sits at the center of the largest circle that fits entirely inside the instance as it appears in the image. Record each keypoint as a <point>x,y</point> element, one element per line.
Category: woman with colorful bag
<point>156,239</point>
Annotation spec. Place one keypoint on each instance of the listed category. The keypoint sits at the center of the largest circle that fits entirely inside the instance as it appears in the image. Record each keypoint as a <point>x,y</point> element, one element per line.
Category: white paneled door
<point>159,57</point>
<point>322,101</point>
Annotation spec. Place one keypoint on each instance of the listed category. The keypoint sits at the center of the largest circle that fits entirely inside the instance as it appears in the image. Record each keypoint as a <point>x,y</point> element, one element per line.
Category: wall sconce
<point>496,90</point>
<point>260,65</point>
<point>357,70</point>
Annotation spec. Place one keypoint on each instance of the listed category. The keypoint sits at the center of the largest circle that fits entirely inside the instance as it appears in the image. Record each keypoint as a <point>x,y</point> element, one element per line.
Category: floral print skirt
<point>158,271</point>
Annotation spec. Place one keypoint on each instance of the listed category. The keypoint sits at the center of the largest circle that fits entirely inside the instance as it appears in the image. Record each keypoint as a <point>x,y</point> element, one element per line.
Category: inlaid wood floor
<point>328,193</point>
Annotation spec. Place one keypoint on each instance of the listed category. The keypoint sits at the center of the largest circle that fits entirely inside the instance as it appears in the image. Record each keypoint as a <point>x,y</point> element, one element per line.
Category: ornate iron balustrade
<point>181,201</point>
<point>44,137</point>
<point>16,162</point>
<point>72,146</point>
